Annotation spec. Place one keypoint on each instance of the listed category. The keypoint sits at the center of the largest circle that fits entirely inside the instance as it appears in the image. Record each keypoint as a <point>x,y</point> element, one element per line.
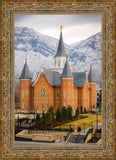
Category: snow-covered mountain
<point>40,50</point>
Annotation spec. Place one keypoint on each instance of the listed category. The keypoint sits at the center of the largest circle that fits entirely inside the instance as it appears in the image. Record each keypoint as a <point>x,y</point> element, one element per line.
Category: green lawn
<point>88,120</point>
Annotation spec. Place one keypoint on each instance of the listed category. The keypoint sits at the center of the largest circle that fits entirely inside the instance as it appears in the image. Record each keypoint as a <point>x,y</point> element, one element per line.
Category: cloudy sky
<point>75,27</point>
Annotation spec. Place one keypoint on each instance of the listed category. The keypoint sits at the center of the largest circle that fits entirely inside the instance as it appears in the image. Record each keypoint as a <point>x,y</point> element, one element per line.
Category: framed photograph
<point>57,80</point>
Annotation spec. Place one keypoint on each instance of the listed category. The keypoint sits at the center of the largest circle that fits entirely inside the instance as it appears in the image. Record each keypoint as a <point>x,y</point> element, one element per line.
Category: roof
<point>79,79</point>
<point>60,51</point>
<point>66,71</point>
<point>25,72</point>
<point>91,76</point>
<point>54,78</point>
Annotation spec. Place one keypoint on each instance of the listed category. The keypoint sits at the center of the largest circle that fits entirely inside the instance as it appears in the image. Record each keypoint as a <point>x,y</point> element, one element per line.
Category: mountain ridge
<point>39,49</point>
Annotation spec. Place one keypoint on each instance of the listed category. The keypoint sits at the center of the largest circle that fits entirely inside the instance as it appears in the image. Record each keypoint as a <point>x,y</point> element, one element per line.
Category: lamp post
<point>91,127</point>
<point>97,121</point>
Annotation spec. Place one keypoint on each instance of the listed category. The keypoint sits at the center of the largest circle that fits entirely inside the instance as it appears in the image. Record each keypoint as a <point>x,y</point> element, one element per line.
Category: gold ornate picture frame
<point>11,151</point>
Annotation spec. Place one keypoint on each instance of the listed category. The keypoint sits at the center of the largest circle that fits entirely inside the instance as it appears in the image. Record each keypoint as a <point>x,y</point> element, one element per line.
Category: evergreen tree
<point>38,119</point>
<point>84,110</point>
<point>48,117</point>
<point>81,109</point>
<point>58,115</point>
<point>77,112</point>
<point>69,109</point>
<point>64,114</point>
<point>43,117</point>
<point>51,111</point>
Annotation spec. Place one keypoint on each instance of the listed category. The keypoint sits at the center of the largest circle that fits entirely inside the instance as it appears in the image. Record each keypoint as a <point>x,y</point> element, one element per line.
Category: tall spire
<point>91,77</point>
<point>25,72</point>
<point>61,50</point>
<point>66,71</point>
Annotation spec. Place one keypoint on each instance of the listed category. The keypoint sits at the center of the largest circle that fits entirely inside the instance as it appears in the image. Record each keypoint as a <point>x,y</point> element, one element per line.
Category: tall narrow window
<point>47,105</point>
<point>37,105</point>
<point>26,94</point>
<point>47,94</point>
<point>85,94</point>
<point>22,94</point>
<point>27,83</point>
<point>93,95</point>
<point>42,105</point>
<point>64,82</point>
<point>23,83</point>
<point>64,93</point>
<point>73,94</point>
<point>69,94</point>
<point>33,94</point>
<point>22,105</point>
<point>65,104</point>
<point>42,93</point>
<point>26,104</point>
<point>69,82</point>
<point>57,104</point>
<point>58,94</point>
<point>37,93</point>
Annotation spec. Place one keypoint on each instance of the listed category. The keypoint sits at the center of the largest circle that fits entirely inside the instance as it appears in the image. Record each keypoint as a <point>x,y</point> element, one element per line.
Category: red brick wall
<point>92,95</point>
<point>49,98</point>
<point>66,86</point>
<point>84,97</point>
<point>24,87</point>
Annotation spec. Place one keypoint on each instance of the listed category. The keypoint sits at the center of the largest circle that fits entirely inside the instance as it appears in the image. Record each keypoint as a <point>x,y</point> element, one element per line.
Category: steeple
<point>25,72</point>
<point>60,50</point>
<point>66,71</point>
<point>91,77</point>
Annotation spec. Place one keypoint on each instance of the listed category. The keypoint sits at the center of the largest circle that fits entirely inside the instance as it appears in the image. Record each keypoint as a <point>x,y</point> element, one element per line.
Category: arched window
<point>64,93</point>
<point>42,105</point>
<point>47,94</point>
<point>26,104</point>
<point>69,94</point>
<point>22,94</point>
<point>42,93</point>
<point>27,94</point>
<point>22,105</point>
<point>37,93</point>
<point>47,105</point>
<point>37,105</point>
<point>57,104</point>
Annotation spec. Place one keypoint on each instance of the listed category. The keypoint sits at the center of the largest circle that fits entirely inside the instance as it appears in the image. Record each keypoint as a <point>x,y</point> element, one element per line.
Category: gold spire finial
<point>61,28</point>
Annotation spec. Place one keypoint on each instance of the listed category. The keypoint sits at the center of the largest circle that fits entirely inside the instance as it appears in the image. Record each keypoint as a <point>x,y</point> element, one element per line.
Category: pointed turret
<point>91,76</point>
<point>61,50</point>
<point>66,71</point>
<point>25,72</point>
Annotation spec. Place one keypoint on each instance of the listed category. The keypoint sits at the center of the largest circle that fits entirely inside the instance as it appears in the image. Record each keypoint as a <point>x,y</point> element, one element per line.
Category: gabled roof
<point>60,51</point>
<point>53,78</point>
<point>91,76</point>
<point>25,72</point>
<point>66,71</point>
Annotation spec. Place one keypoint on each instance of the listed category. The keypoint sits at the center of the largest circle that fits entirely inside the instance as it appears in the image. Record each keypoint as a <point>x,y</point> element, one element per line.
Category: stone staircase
<point>77,138</point>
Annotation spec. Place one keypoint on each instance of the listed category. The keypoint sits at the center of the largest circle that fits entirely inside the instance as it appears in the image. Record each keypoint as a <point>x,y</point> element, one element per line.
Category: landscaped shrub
<point>81,109</point>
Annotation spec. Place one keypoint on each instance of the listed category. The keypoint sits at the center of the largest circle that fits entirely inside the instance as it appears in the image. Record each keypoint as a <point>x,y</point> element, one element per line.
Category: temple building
<point>58,86</point>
